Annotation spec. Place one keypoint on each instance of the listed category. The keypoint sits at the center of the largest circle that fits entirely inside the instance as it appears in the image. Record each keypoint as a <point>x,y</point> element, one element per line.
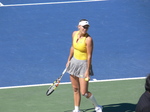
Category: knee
<point>87,95</point>
<point>84,94</point>
<point>76,90</point>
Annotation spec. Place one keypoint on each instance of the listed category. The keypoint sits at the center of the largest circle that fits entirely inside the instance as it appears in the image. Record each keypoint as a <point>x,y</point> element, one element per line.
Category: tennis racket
<point>55,84</point>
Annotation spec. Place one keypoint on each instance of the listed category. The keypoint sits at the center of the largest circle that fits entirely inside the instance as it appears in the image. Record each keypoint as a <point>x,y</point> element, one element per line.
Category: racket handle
<point>62,74</point>
<point>64,70</point>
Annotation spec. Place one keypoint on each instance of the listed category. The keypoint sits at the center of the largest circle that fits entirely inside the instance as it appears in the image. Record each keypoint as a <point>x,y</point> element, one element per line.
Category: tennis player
<point>79,65</point>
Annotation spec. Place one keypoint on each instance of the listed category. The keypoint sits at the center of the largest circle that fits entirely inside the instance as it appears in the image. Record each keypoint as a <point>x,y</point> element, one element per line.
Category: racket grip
<point>64,70</point>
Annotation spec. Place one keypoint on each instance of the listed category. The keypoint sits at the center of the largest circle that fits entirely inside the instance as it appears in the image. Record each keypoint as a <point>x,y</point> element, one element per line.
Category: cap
<point>83,23</point>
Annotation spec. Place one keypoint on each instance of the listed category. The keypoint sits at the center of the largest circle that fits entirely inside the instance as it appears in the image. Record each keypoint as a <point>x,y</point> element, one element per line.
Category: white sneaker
<point>76,111</point>
<point>98,109</point>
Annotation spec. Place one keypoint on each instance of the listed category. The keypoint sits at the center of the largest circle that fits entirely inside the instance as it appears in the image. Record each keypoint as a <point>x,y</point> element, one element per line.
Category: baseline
<point>121,79</point>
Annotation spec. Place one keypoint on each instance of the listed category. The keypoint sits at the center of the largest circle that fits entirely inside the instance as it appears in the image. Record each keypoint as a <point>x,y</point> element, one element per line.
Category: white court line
<point>122,79</point>
<point>51,3</point>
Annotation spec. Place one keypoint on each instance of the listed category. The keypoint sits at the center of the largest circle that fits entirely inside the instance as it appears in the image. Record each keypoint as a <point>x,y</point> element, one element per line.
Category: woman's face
<point>83,29</point>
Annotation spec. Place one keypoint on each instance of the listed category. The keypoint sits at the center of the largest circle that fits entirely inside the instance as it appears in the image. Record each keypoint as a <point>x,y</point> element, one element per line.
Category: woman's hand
<point>67,64</point>
<point>87,76</point>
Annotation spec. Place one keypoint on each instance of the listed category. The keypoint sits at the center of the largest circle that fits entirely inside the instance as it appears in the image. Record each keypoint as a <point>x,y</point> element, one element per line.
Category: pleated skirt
<point>78,68</point>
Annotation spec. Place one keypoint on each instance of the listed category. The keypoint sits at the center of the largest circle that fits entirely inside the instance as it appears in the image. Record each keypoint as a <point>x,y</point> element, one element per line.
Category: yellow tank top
<point>80,51</point>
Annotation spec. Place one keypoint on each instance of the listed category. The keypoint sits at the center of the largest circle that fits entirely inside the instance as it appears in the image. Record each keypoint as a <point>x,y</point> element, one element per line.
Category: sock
<point>76,108</point>
<point>93,100</point>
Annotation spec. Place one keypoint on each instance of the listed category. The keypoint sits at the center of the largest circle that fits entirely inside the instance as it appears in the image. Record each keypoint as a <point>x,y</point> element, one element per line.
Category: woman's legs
<point>80,86</point>
<point>76,90</point>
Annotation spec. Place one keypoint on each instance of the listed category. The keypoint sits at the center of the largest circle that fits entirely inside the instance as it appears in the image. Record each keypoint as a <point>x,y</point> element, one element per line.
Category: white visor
<point>83,23</point>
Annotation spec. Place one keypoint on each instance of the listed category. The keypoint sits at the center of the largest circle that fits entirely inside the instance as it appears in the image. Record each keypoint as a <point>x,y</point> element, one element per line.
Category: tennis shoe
<point>76,111</point>
<point>98,109</point>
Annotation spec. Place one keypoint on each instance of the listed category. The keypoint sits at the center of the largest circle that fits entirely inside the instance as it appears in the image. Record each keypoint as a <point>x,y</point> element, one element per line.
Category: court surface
<point>115,96</point>
<point>35,38</point>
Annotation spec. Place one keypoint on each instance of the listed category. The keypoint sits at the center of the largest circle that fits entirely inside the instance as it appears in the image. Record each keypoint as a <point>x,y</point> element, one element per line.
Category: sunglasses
<point>86,26</point>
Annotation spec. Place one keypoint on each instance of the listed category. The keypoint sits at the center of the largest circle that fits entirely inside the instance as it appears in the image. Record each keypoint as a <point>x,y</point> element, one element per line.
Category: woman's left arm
<point>89,44</point>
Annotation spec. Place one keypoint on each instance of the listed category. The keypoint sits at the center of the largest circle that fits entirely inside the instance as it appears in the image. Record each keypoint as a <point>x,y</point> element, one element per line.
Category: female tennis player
<point>79,65</point>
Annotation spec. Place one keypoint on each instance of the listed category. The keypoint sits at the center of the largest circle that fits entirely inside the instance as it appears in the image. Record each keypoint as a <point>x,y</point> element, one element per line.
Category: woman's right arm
<point>71,50</point>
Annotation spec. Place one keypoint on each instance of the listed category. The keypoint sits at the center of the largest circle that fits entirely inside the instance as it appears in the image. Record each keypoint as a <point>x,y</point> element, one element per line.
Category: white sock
<point>76,108</point>
<point>93,100</point>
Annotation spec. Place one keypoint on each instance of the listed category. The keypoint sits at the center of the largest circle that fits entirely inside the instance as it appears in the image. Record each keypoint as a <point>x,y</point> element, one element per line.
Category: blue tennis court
<point>35,39</point>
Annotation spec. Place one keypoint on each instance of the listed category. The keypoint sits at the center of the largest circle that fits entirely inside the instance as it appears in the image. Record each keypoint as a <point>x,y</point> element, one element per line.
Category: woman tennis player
<point>79,65</point>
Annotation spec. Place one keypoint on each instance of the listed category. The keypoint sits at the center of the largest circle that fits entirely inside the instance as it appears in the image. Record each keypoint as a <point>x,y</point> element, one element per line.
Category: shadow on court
<point>121,107</point>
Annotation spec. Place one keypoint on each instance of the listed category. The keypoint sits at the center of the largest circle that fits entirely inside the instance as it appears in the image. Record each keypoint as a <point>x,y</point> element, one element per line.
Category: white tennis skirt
<point>78,68</point>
